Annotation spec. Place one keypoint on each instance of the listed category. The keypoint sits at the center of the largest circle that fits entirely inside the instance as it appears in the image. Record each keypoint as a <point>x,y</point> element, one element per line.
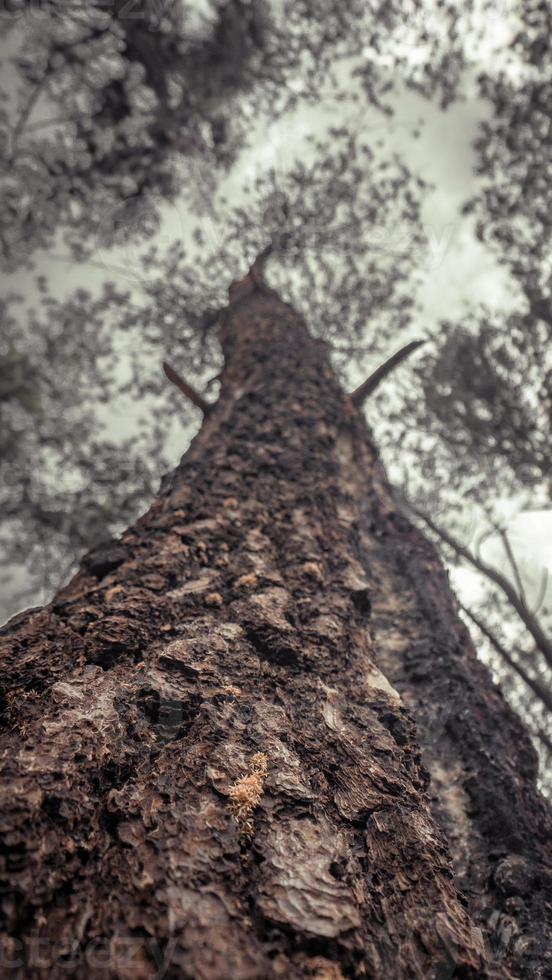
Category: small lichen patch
<point>322,969</point>
<point>247,581</point>
<point>214,599</point>
<point>246,794</point>
<point>110,594</point>
<point>312,569</point>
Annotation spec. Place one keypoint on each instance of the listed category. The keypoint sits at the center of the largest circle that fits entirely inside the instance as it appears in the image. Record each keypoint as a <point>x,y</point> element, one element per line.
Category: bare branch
<point>57,121</point>
<point>542,692</point>
<point>360,394</point>
<point>122,270</point>
<point>257,269</point>
<point>543,737</point>
<point>254,277</point>
<point>186,389</point>
<point>544,645</point>
<point>26,112</point>
<point>513,563</point>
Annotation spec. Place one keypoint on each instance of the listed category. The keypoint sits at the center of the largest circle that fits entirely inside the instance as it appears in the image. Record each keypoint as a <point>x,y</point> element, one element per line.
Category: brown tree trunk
<point>217,737</point>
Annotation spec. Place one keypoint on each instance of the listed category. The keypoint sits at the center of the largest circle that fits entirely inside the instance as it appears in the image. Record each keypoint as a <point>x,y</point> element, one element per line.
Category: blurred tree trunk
<point>211,762</point>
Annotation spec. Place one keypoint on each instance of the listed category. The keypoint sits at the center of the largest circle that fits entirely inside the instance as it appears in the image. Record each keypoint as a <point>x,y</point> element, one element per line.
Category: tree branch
<point>257,269</point>
<point>186,389</point>
<point>360,394</point>
<point>543,737</point>
<point>26,112</point>
<point>542,692</point>
<point>544,645</point>
<point>254,278</point>
<point>513,564</point>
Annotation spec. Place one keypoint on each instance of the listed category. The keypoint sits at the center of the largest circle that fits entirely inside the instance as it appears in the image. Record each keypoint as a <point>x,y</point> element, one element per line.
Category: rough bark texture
<point>217,737</point>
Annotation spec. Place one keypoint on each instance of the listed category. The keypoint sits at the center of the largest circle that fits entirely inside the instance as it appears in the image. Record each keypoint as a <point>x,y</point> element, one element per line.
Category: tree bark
<point>218,737</point>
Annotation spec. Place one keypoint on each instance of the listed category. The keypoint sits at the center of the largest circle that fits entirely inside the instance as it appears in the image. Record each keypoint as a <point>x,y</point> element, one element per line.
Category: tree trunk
<point>217,737</point>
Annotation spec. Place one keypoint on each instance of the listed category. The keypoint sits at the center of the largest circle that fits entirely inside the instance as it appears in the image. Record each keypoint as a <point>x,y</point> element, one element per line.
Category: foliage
<point>116,108</point>
<point>65,483</point>
<point>483,426</point>
<point>513,207</point>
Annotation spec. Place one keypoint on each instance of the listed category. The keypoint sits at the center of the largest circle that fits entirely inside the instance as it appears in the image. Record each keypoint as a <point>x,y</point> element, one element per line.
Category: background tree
<point>483,427</point>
